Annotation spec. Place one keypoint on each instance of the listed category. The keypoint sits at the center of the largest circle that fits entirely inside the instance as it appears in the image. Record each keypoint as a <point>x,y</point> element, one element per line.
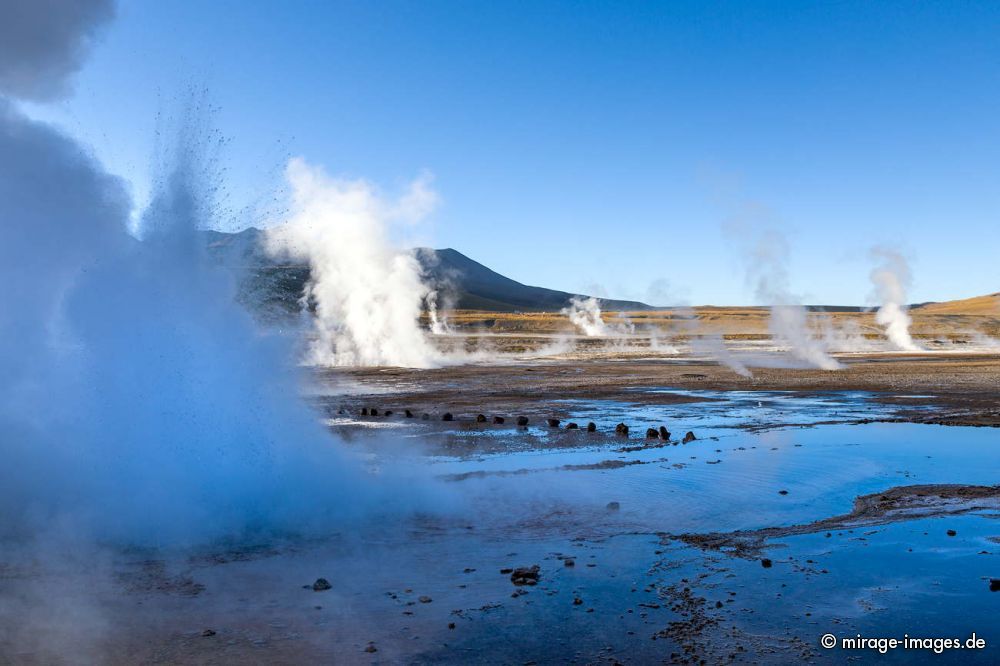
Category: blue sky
<point>604,146</point>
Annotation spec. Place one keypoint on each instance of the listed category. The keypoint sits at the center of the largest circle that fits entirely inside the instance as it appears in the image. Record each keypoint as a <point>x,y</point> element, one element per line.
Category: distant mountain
<point>462,282</point>
<point>472,286</point>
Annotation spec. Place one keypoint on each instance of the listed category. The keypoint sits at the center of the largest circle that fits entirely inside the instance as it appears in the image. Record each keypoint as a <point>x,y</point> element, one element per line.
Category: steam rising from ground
<point>585,314</point>
<point>765,253</point>
<point>891,279</point>
<point>367,295</point>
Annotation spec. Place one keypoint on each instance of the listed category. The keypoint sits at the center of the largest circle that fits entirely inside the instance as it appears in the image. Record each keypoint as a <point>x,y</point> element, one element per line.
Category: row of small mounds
<point>522,421</point>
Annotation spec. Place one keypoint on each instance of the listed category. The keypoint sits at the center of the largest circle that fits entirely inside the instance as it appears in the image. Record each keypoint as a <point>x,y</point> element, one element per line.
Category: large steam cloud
<point>43,43</point>
<point>138,402</point>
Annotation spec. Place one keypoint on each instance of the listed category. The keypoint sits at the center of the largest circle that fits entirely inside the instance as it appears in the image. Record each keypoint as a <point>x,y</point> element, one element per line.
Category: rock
<point>569,562</point>
<point>373,411</point>
<point>371,648</point>
<point>364,411</point>
<point>447,417</point>
<point>664,434</point>
<point>498,420</point>
<point>652,433</point>
<point>572,426</point>
<point>480,418</point>
<point>522,421</point>
<point>208,632</point>
<point>409,414</point>
<point>525,575</point>
<point>782,492</point>
<point>613,506</point>
<point>424,599</point>
<point>425,417</point>
<point>577,601</point>
<point>388,412</point>
<point>506,570</point>
<point>591,427</point>
<point>321,584</point>
<point>766,563</point>
<point>451,625</point>
<point>952,532</point>
<point>553,423</point>
<point>994,584</point>
<point>621,429</point>
<point>689,437</point>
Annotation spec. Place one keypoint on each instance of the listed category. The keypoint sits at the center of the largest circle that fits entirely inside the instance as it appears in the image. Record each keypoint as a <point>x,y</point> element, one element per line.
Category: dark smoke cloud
<point>43,43</point>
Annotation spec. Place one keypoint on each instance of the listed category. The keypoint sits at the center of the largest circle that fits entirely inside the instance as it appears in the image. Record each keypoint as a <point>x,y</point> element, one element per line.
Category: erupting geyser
<point>892,278</point>
<point>367,294</point>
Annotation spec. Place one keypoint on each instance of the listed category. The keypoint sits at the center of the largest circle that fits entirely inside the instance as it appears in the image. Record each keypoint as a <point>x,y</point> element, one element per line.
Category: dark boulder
<point>572,426</point>
<point>591,427</point>
<point>373,411</point>
<point>447,417</point>
<point>364,411</point>
<point>498,420</point>
<point>409,414</point>
<point>766,563</point>
<point>664,434</point>
<point>388,412</point>
<point>425,416</point>
<point>522,420</point>
<point>652,433</point>
<point>321,584</point>
<point>994,584</point>
<point>621,429</point>
<point>553,423</point>
<point>525,575</point>
<point>689,437</point>
<point>480,418</point>
<point>613,506</point>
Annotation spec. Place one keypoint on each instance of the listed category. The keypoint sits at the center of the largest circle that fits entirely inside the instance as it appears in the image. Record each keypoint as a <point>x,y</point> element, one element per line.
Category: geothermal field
<point>256,407</point>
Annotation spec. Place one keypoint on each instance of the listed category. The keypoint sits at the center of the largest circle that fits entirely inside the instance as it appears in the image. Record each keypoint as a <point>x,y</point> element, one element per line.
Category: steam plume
<point>367,295</point>
<point>891,279</point>
<point>585,314</point>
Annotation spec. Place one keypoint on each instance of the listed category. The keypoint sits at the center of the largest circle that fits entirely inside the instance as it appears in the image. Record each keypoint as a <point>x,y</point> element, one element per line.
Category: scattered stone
<point>506,571</point>
<point>364,411</point>
<point>373,411</point>
<point>553,423</point>
<point>952,532</point>
<point>718,604</point>
<point>498,420</point>
<point>782,492</point>
<point>652,433</point>
<point>388,412</point>
<point>321,584</point>
<point>569,562</point>
<point>447,417</point>
<point>480,418</point>
<point>371,648</point>
<point>591,427</point>
<point>613,506</point>
<point>525,575</point>
<point>689,437</point>
<point>522,421</point>
<point>424,599</point>
<point>766,563</point>
<point>664,434</point>
<point>409,414</point>
<point>572,426</point>
<point>621,429</point>
<point>451,625</point>
<point>994,584</point>
<point>207,633</point>
<point>577,601</point>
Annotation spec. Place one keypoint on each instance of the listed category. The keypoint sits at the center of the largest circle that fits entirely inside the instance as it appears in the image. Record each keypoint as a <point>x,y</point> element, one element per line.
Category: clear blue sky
<point>581,144</point>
